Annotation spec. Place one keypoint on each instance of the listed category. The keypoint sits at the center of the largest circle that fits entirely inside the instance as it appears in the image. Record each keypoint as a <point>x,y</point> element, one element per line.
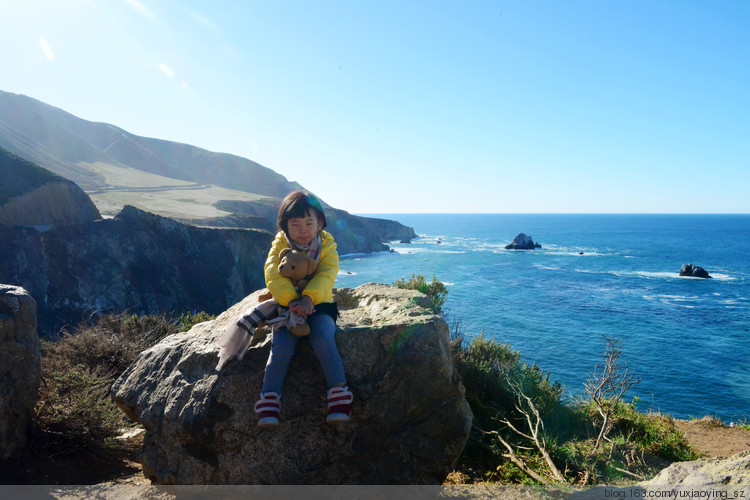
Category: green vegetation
<point>525,433</point>
<point>190,319</point>
<point>79,367</point>
<point>435,290</point>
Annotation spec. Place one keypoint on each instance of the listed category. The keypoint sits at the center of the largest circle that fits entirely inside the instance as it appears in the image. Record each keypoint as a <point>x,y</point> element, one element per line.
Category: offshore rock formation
<point>20,367</point>
<point>522,242</point>
<point>694,271</point>
<point>409,421</point>
<point>139,262</point>
<point>31,195</point>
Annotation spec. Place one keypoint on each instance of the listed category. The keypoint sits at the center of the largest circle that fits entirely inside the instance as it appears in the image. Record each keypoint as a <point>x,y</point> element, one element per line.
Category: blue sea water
<point>618,275</point>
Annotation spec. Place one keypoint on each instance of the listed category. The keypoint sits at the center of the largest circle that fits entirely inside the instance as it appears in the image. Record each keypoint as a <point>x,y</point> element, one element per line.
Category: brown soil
<point>52,460</point>
<point>713,438</point>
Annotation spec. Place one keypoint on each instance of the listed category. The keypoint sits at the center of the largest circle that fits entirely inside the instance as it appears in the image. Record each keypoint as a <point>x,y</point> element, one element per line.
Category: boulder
<point>694,271</point>
<point>20,367</point>
<point>704,478</point>
<point>409,423</point>
<point>522,242</point>
<point>732,471</point>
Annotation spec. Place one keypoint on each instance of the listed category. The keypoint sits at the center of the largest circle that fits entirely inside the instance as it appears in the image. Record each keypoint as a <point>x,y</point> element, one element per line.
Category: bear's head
<point>295,265</point>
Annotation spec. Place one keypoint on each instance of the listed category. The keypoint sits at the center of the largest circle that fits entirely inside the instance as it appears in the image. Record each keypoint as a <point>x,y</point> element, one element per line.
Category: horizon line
<point>549,213</point>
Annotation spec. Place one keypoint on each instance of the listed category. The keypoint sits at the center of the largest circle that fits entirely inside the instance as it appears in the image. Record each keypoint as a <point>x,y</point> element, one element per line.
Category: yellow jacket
<point>320,287</point>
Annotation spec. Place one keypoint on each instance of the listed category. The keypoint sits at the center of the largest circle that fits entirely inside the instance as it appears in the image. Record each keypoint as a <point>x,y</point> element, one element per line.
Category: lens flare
<point>46,49</point>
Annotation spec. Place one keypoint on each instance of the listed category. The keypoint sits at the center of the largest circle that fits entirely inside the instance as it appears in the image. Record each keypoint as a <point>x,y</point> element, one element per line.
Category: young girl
<point>301,222</point>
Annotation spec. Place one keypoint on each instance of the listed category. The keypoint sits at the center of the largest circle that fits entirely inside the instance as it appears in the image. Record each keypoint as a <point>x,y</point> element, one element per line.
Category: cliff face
<point>139,262</point>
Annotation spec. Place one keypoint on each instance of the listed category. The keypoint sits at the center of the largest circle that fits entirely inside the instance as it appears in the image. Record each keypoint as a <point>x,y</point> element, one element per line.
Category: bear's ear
<point>311,265</point>
<point>283,252</point>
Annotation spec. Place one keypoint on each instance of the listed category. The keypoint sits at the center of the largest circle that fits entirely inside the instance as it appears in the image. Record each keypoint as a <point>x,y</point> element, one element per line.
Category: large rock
<point>705,478</point>
<point>20,367</point>
<point>732,471</point>
<point>694,271</point>
<point>522,242</point>
<point>409,423</point>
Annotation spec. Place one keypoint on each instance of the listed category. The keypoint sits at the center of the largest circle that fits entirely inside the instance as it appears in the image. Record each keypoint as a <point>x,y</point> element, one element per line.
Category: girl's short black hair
<point>299,204</point>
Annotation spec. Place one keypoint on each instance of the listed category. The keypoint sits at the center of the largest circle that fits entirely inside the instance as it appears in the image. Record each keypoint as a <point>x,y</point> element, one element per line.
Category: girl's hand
<point>304,306</point>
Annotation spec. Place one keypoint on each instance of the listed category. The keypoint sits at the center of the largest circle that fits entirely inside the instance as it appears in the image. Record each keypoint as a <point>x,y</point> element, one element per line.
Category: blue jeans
<point>323,340</point>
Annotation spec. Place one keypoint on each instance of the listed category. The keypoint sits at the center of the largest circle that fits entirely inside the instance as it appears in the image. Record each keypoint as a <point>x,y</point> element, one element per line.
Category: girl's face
<point>303,229</point>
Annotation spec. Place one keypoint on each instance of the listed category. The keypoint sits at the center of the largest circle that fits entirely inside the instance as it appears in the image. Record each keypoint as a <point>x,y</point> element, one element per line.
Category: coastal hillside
<point>179,181</point>
<point>86,152</point>
<point>31,195</point>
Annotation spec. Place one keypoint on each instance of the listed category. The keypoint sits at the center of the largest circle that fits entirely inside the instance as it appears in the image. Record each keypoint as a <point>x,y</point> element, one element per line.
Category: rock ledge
<point>409,423</point>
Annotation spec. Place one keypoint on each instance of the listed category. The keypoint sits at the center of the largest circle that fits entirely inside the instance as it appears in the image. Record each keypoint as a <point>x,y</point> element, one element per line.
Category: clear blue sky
<point>419,106</point>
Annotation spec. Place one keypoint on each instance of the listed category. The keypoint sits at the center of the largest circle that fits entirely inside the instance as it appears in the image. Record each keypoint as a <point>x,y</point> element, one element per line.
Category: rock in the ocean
<point>409,422</point>
<point>20,367</point>
<point>522,242</point>
<point>694,271</point>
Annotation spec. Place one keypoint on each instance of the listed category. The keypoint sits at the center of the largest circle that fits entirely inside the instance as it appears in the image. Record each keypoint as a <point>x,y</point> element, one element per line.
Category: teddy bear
<point>296,266</point>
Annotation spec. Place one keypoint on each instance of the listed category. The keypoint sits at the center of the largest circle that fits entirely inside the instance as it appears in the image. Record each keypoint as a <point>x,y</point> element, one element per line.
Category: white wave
<point>342,272</point>
<point>422,250</point>
<point>675,300</point>
<point>722,277</point>
<point>586,271</point>
<point>549,268</point>
<point>361,255</point>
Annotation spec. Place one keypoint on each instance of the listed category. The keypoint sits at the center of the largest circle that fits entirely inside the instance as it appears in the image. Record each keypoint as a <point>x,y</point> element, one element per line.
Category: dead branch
<point>525,405</point>
<point>608,384</point>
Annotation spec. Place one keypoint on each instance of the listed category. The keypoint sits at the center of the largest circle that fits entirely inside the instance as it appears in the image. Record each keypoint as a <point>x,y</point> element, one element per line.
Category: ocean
<point>688,339</point>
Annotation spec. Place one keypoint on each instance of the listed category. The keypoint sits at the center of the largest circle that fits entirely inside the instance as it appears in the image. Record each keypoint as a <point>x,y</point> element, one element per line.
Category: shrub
<point>656,433</point>
<point>497,382</point>
<point>190,319</point>
<point>435,290</point>
<point>79,368</point>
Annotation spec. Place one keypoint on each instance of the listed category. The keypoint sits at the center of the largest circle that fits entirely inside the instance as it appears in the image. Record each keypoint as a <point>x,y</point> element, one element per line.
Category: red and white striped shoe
<point>268,408</point>
<point>339,404</point>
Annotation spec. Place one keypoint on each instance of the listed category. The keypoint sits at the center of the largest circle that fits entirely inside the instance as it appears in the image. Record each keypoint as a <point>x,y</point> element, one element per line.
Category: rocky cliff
<point>20,367</point>
<point>137,262</point>
<point>31,195</point>
<point>409,422</point>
